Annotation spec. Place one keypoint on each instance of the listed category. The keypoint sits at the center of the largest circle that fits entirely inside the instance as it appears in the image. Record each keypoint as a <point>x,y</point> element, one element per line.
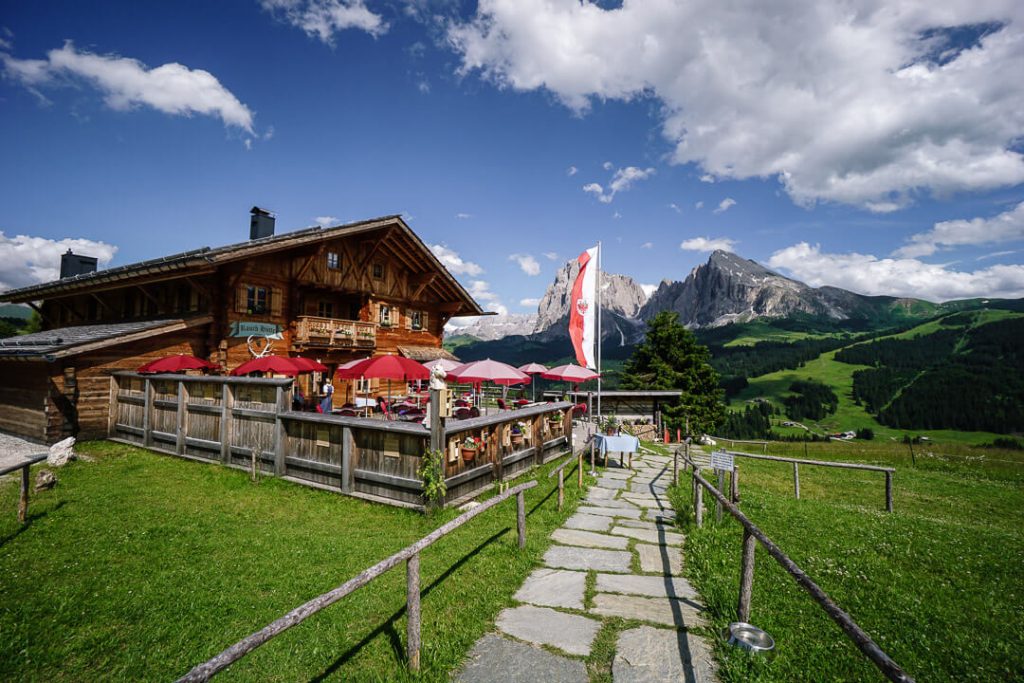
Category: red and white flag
<point>583,310</point>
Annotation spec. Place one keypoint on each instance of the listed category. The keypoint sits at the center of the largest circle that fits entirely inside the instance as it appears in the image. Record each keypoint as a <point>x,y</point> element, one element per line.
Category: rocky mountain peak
<point>620,295</point>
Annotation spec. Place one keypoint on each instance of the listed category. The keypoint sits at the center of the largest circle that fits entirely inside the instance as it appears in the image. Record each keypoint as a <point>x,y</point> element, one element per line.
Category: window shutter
<point>276,299</point>
<point>423,321</point>
<point>408,320</point>
<point>396,316</point>
<point>240,299</point>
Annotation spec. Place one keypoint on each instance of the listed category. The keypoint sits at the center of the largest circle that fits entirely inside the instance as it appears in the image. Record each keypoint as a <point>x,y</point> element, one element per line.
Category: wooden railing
<point>24,466</point>
<point>753,535</point>
<point>334,333</point>
<point>410,555</point>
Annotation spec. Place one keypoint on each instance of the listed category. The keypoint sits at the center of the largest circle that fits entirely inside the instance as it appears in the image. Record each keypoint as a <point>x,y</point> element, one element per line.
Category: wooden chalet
<point>332,294</point>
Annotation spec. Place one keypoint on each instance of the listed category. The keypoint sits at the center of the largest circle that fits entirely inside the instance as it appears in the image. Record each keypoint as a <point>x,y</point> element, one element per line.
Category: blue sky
<point>881,153</point>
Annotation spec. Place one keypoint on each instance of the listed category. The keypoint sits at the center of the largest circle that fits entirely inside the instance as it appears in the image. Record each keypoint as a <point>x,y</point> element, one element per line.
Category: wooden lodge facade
<point>332,294</point>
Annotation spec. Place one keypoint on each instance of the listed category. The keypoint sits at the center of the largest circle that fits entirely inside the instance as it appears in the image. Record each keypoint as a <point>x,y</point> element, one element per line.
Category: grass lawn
<point>139,566</point>
<point>938,584</point>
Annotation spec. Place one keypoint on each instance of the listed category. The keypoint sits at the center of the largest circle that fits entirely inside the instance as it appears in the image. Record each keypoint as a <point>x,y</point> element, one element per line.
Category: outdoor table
<point>622,444</point>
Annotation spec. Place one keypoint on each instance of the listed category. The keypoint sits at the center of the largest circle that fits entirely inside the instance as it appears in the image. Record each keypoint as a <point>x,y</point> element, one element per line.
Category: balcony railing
<point>335,333</point>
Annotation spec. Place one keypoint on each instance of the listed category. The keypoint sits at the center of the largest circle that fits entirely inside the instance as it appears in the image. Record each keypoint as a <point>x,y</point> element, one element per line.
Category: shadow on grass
<point>29,520</point>
<point>389,626</point>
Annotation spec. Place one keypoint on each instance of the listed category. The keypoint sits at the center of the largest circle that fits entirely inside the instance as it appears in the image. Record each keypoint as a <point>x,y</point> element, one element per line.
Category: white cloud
<point>647,245</point>
<point>321,19</point>
<point>423,85</point>
<point>126,83</point>
<point>550,255</point>
<point>858,102</point>
<point>1005,227</point>
<point>725,204</point>
<point>529,302</point>
<point>648,290</point>
<point>708,244</point>
<point>707,178</point>
<point>481,291</point>
<point>699,205</point>
<point>453,262</point>
<point>571,171</point>
<point>871,275</point>
<point>675,207</point>
<point>621,181</point>
<point>996,254</point>
<point>325,221</point>
<point>527,263</point>
<point>616,215</point>
<point>607,166</point>
<point>463,216</point>
<point>27,260</point>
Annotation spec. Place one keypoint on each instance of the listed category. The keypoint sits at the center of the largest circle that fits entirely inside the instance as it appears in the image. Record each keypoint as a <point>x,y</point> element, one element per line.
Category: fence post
<point>675,467</point>
<point>746,576</point>
<point>346,459</point>
<point>179,442</point>
<point>521,519</point>
<point>412,611</point>
<point>579,470</point>
<point>698,506</point>
<point>734,492</point>
<point>561,488</point>
<point>721,489</point>
<point>147,413</point>
<point>23,499</point>
<point>796,480</point>
<point>888,491</point>
<point>279,434</point>
<point>112,411</point>
<point>227,403</point>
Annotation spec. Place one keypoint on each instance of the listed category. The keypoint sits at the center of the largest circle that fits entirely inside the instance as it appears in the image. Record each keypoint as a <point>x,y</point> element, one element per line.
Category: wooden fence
<point>247,423</point>
<point>24,466</point>
<point>410,555</point>
<point>753,535</point>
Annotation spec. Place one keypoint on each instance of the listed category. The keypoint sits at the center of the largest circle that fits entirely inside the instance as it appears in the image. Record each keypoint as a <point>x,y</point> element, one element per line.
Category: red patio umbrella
<point>178,363</point>
<point>308,364</point>
<point>533,369</point>
<point>386,367</point>
<point>489,371</point>
<point>446,364</point>
<point>570,373</point>
<point>279,364</point>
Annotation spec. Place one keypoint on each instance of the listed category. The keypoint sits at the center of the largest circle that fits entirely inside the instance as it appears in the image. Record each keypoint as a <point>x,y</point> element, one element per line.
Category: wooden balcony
<point>332,333</point>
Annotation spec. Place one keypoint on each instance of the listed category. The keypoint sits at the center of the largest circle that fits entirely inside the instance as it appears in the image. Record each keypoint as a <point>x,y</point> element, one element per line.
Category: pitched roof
<point>207,258</point>
<point>425,353</point>
<point>69,341</point>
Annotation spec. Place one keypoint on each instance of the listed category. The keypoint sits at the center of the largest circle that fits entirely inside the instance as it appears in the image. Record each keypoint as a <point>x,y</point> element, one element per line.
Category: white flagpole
<point>599,328</point>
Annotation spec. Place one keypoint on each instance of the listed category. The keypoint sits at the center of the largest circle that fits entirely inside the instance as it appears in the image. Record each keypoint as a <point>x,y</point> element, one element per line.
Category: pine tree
<point>671,359</point>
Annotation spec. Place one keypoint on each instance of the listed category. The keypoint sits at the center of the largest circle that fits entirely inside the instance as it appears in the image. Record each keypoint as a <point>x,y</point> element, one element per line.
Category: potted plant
<point>611,426</point>
<point>469,446</point>
<point>554,422</point>
<point>517,433</point>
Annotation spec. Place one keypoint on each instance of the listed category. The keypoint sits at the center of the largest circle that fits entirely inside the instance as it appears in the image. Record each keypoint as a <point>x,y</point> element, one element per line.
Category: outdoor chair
<point>461,403</point>
<point>460,413</point>
<point>346,412</point>
<point>474,412</point>
<point>502,405</point>
<point>384,408</point>
<point>580,410</point>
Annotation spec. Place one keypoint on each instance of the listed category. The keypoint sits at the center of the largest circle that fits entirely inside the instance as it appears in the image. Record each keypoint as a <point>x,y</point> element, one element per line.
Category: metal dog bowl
<point>747,637</point>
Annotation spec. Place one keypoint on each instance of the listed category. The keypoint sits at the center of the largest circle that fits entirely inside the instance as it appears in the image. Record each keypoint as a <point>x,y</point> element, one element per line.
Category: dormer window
<point>333,261</point>
<point>377,269</point>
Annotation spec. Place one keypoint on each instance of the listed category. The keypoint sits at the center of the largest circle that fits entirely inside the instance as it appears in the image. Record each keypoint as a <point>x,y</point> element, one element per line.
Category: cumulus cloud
<point>724,205</point>
<point>907,277</point>
<point>607,166</point>
<point>698,205</point>
<point>1005,227</point>
<point>856,102</point>
<point>621,181</point>
<point>481,291</point>
<point>27,260</point>
<point>550,255</point>
<point>325,221</point>
<point>453,262</point>
<point>321,19</point>
<point>708,244</point>
<point>527,263</point>
<point>529,302</point>
<point>127,83</point>
<point>571,171</point>
<point>707,178</point>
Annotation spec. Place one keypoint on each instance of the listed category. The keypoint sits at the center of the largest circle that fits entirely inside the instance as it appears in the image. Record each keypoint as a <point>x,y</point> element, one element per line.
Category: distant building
<point>333,294</point>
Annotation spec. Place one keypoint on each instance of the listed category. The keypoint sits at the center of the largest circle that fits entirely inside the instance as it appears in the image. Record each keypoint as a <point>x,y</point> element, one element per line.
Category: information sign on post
<point>721,461</point>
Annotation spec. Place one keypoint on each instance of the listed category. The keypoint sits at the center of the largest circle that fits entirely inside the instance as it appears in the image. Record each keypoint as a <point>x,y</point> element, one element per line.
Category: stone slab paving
<point>498,660</point>
<point>570,633</point>
<point>618,511</point>
<point>589,539</point>
<point>623,508</point>
<point>568,557</point>
<point>652,655</point>
<point>649,535</point>
<point>553,588</point>
<point>652,586</point>
<point>680,613</point>
<point>589,522</point>
<point>654,558</point>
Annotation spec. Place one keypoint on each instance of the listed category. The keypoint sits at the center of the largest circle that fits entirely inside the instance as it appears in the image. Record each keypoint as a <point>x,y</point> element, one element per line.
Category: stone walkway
<point>618,556</point>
